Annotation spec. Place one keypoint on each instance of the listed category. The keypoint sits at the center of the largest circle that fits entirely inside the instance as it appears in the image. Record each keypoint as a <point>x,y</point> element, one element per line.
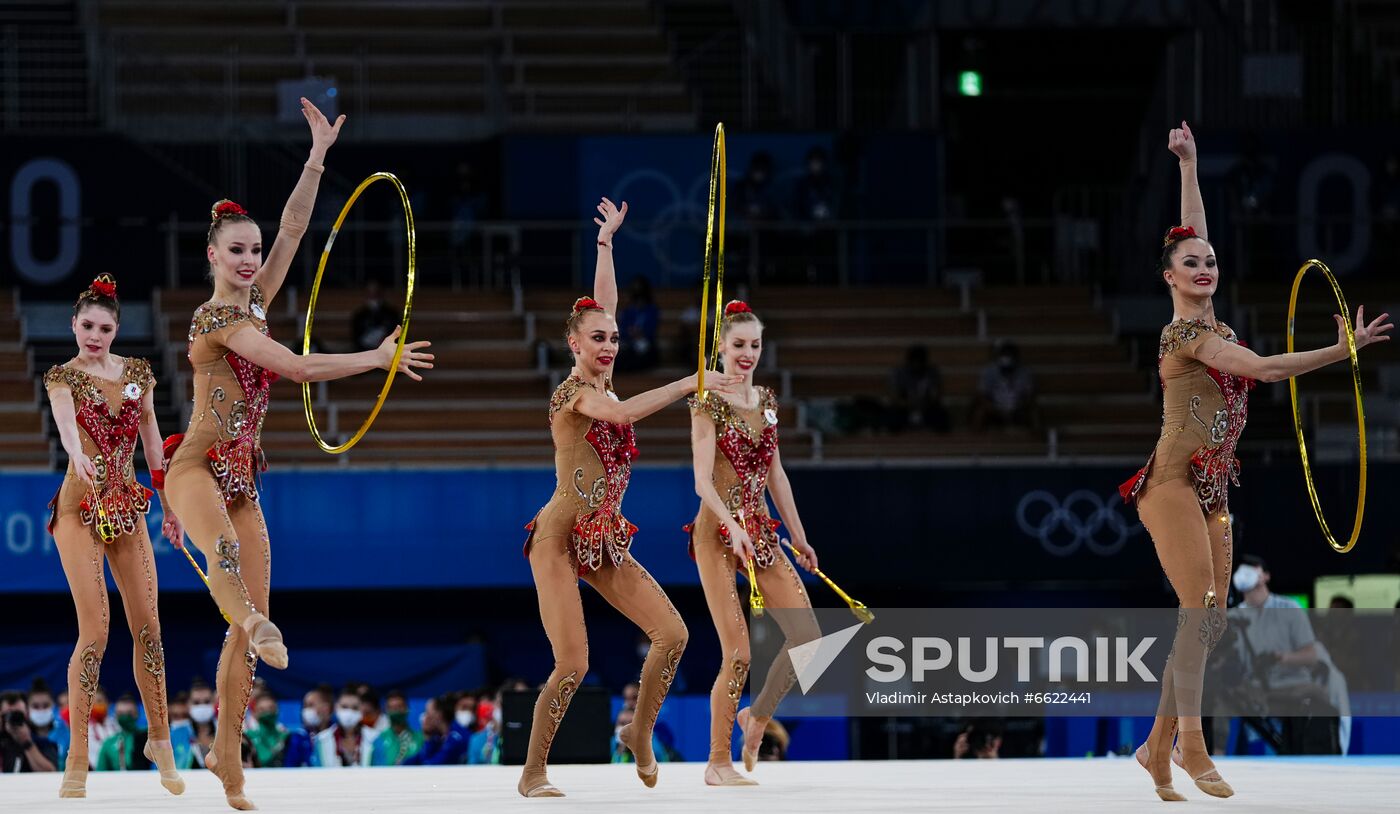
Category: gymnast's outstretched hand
<point>323,133</point>
<point>1366,334</point>
<point>412,357</point>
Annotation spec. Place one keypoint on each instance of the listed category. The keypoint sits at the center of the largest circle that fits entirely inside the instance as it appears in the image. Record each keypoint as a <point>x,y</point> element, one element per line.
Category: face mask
<point>370,718</point>
<point>268,720</point>
<point>127,722</point>
<point>310,717</point>
<point>348,718</point>
<point>99,712</point>
<point>398,719</point>
<point>496,715</point>
<point>465,718</point>
<point>41,717</point>
<point>1006,362</point>
<point>201,713</point>
<point>1246,578</point>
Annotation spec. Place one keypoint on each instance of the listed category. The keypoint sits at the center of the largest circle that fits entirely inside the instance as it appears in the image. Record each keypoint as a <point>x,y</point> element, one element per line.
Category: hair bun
<point>103,285</point>
<point>737,307</point>
<point>586,304</point>
<point>225,208</point>
<point>1177,233</point>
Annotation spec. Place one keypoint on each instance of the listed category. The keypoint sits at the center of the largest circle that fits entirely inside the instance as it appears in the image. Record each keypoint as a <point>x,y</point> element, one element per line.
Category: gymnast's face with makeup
<point>235,254</point>
<point>1191,269</point>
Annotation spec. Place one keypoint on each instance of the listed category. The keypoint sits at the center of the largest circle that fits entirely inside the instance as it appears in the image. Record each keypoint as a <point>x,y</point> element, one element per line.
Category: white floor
<point>1088,785</point>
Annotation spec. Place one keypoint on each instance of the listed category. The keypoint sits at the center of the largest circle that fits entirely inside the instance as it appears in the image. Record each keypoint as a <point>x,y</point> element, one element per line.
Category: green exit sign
<point>970,83</point>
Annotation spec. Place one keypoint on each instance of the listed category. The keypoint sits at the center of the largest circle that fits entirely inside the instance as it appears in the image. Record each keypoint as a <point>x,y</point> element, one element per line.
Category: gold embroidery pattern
<point>558,705</point>
<point>211,317</point>
<point>564,392</point>
<point>92,666</point>
<point>153,659</point>
<point>740,668</point>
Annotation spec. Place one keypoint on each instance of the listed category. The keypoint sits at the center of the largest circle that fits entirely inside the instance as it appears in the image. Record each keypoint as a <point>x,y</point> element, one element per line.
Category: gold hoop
<point>407,312</point>
<point>1360,410</point>
<point>714,247</point>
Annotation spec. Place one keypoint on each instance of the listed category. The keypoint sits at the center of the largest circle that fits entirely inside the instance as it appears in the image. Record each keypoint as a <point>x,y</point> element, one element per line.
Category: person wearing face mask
<point>125,749</point>
<point>443,745</point>
<point>268,737</point>
<point>202,723</point>
<point>213,466</point>
<point>315,716</point>
<point>1182,493</point>
<point>371,717</point>
<point>22,749</point>
<point>1005,393</point>
<point>736,462</point>
<point>484,746</point>
<point>346,742</point>
<point>581,532</point>
<point>464,715</point>
<point>400,741</point>
<point>44,719</point>
<point>101,404</point>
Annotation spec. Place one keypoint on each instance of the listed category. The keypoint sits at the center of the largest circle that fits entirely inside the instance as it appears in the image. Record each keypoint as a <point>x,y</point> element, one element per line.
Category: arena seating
<point>484,403</point>
<point>528,64</point>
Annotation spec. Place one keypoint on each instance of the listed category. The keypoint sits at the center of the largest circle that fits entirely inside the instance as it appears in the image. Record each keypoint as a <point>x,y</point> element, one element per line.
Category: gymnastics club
<point>200,571</point>
<point>864,614</point>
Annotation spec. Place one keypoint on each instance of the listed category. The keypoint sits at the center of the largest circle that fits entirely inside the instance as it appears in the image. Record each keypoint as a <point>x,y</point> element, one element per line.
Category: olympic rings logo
<point>1083,519</point>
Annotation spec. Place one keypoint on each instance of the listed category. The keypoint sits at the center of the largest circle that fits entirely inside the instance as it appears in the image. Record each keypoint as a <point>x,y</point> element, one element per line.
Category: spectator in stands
<point>916,394</point>
<point>1281,646</point>
<point>638,322</point>
<point>1005,393</point>
<point>181,730</point>
<point>464,719</point>
<point>979,739</point>
<point>315,716</point>
<point>400,740</point>
<point>21,749</point>
<point>620,753</point>
<point>202,716</point>
<point>124,750</point>
<point>443,745</point>
<point>374,320</point>
<point>775,742</point>
<point>373,717</point>
<point>101,724</point>
<point>629,695</point>
<point>347,742</point>
<point>43,718</point>
<point>268,736</point>
<point>1292,646</point>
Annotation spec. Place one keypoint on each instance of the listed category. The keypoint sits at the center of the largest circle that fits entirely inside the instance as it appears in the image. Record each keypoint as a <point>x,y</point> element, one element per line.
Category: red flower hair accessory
<point>104,286</point>
<point>737,307</point>
<point>1178,233</point>
<point>586,304</point>
<point>226,208</point>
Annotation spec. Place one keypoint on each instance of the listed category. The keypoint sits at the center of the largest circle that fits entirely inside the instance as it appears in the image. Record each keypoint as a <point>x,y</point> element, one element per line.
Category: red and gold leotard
<point>109,439</point>
<point>592,464</point>
<point>230,397</point>
<point>745,441</point>
<point>1203,416</point>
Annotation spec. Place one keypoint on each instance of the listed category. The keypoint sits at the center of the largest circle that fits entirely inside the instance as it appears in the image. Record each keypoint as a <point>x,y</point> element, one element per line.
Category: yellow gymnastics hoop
<point>407,312</point>
<point>1360,411</point>
<point>714,247</point>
